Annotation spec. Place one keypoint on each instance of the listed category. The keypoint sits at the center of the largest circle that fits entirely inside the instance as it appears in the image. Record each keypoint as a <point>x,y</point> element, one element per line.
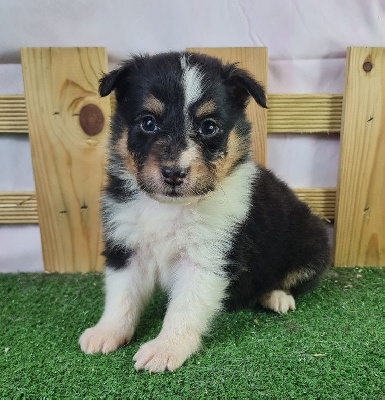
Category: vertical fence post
<point>360,209</point>
<point>68,125</point>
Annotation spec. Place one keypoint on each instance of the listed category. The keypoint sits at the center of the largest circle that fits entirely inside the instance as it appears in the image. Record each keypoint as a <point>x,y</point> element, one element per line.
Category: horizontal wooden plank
<point>21,207</point>
<point>321,201</point>
<point>296,113</point>
<point>13,114</point>
<point>18,208</point>
<point>302,113</point>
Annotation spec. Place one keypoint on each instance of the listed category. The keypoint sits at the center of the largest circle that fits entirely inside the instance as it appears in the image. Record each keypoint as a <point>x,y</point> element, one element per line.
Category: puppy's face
<point>180,124</point>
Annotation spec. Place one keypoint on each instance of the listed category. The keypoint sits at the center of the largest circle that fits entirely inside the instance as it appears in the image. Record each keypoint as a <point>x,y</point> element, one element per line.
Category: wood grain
<point>287,113</point>
<point>68,164</point>
<point>18,208</point>
<point>13,114</point>
<point>21,207</point>
<point>360,218</point>
<point>321,201</point>
<point>254,60</point>
<point>303,113</point>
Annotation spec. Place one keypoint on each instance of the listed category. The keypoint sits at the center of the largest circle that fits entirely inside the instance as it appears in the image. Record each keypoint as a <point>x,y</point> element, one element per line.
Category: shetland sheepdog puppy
<point>187,210</point>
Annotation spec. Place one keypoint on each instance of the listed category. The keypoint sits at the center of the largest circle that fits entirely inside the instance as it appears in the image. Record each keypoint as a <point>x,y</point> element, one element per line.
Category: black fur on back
<point>280,236</point>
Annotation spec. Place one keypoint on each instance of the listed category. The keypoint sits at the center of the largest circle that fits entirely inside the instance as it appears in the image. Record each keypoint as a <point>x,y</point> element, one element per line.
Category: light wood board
<point>18,208</point>
<point>254,60</point>
<point>287,113</point>
<point>360,218</point>
<point>321,201</point>
<point>21,207</point>
<point>304,113</point>
<point>13,114</point>
<point>68,164</point>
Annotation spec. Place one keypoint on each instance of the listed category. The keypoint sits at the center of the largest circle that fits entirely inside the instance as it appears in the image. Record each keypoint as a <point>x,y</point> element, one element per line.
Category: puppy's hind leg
<point>297,282</point>
<point>278,301</point>
<point>127,291</point>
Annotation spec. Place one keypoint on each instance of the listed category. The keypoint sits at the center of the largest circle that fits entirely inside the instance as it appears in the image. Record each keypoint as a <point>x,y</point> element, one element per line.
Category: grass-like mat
<point>332,346</point>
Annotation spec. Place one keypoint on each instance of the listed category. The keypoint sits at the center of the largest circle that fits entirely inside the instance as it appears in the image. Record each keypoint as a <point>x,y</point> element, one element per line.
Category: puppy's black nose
<point>174,175</point>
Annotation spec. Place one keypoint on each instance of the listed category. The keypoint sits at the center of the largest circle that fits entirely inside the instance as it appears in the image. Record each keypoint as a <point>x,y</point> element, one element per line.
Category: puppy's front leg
<point>196,295</point>
<point>127,291</point>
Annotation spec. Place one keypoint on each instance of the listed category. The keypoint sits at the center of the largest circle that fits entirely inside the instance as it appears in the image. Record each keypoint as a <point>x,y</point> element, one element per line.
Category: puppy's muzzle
<point>174,176</point>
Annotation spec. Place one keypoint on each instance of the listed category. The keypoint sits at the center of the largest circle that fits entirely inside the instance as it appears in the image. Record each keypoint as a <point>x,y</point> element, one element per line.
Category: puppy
<point>186,209</point>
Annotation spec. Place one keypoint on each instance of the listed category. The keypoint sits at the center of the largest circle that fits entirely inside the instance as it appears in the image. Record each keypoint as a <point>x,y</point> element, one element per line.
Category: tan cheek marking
<point>150,168</point>
<point>128,159</point>
<point>236,148</point>
<point>205,109</point>
<point>154,105</point>
<point>150,175</point>
<point>200,175</point>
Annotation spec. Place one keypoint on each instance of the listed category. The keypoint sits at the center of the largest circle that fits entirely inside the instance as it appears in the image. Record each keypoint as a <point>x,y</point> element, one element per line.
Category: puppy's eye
<point>208,127</point>
<point>148,124</point>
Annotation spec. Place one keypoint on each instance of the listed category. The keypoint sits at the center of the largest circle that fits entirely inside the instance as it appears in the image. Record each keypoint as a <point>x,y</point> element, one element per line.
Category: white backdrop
<point>306,41</point>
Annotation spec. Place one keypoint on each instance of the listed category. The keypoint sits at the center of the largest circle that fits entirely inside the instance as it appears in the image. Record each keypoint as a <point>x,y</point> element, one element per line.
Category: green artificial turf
<point>331,347</point>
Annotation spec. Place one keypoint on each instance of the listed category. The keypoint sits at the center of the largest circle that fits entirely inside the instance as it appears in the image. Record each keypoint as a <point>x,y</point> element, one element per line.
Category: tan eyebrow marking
<point>154,105</point>
<point>206,108</point>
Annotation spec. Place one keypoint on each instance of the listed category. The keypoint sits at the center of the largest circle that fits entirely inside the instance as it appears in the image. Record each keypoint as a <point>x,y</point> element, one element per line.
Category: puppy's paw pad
<point>101,340</point>
<point>279,301</point>
<point>158,356</point>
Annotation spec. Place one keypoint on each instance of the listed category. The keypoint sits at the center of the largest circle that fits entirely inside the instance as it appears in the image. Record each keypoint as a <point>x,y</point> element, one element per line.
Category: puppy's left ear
<point>244,85</point>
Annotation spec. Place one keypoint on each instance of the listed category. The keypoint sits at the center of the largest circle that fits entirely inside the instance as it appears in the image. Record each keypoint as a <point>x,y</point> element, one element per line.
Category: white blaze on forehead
<point>192,81</point>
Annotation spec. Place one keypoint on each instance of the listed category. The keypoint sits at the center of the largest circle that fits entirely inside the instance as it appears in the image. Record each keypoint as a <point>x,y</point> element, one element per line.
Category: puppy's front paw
<point>279,301</point>
<point>161,355</point>
<point>99,339</point>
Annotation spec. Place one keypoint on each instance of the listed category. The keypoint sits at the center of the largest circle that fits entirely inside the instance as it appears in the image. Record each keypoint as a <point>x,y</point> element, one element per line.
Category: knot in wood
<point>91,119</point>
<point>367,66</point>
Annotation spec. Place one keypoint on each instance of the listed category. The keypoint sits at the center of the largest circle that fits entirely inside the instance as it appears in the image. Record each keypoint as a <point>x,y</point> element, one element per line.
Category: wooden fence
<point>67,124</point>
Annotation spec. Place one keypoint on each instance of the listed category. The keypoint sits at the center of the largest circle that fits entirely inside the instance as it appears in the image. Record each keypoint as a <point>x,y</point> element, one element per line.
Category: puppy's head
<point>180,125</point>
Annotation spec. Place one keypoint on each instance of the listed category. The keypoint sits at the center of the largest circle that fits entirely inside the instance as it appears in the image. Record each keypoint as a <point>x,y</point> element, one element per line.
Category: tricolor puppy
<point>186,209</point>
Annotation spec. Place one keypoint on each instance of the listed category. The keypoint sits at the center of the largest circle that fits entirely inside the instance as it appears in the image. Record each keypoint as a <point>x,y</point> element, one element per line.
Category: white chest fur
<point>169,232</point>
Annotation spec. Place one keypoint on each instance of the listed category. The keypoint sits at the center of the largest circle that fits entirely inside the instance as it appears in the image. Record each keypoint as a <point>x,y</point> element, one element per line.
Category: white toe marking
<point>162,354</point>
<point>279,301</point>
<point>102,339</point>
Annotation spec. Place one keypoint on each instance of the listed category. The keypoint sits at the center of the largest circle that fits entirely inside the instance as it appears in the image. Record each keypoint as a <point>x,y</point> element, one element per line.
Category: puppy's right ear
<point>111,81</point>
<point>108,82</point>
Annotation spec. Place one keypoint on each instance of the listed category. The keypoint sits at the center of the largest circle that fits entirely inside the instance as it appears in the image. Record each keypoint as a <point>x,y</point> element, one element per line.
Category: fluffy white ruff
<point>181,247</point>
